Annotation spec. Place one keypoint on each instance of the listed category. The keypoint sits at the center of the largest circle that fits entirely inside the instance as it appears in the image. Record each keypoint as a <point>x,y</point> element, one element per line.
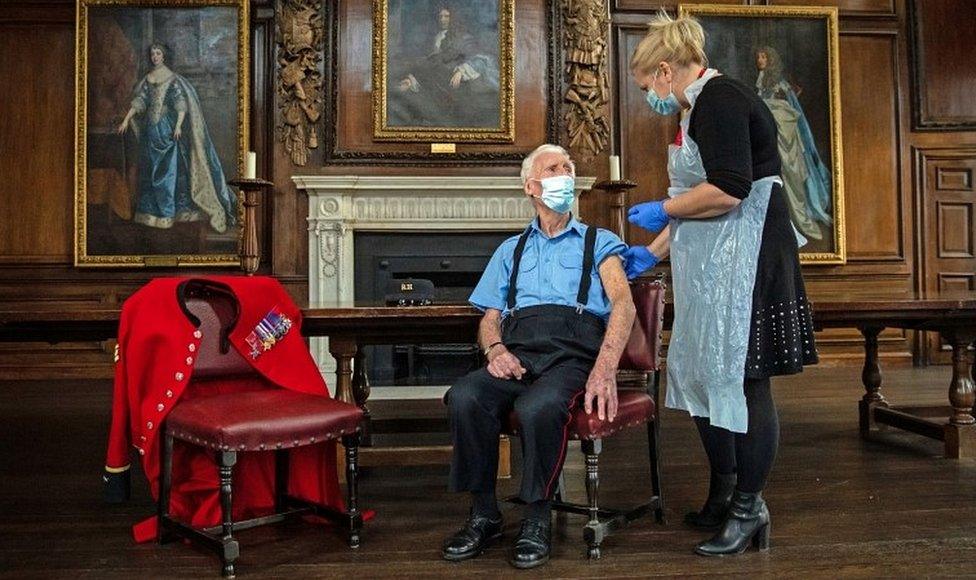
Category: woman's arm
<point>661,246</point>
<point>702,201</point>
<point>125,122</point>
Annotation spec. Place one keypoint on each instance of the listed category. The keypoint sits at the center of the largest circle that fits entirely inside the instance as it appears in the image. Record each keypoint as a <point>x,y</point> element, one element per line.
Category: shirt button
<point>192,347</point>
<point>179,376</point>
<point>189,360</point>
<point>169,394</point>
<point>149,425</point>
<point>197,334</point>
<point>160,407</point>
<point>142,452</point>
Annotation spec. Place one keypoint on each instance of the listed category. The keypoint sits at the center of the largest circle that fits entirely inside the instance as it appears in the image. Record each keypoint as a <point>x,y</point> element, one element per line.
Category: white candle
<point>614,168</point>
<point>251,168</point>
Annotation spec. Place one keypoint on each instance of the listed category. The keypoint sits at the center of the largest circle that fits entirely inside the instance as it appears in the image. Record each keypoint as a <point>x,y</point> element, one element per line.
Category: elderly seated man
<point>558,313</point>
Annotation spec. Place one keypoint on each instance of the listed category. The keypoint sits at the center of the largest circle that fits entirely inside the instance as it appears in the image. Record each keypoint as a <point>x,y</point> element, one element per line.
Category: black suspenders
<point>589,248</point>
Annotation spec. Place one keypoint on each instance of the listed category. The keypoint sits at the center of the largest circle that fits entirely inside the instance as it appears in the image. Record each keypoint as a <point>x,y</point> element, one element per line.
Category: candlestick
<point>250,250</point>
<point>614,168</point>
<point>251,167</point>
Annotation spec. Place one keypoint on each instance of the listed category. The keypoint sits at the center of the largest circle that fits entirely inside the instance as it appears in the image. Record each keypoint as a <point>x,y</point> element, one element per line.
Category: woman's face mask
<point>666,106</point>
<point>558,192</point>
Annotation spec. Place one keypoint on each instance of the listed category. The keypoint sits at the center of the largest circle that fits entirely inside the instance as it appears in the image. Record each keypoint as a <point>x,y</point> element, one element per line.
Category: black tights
<point>750,455</point>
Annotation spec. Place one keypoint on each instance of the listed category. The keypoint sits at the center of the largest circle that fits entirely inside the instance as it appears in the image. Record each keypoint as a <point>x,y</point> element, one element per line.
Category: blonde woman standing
<point>741,314</point>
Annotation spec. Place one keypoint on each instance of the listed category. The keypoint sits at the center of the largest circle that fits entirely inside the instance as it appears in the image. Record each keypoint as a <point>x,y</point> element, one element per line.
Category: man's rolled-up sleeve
<point>492,288</point>
<point>607,244</point>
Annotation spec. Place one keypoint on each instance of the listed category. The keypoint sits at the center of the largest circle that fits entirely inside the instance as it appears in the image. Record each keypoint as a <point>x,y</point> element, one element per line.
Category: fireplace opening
<point>454,262</point>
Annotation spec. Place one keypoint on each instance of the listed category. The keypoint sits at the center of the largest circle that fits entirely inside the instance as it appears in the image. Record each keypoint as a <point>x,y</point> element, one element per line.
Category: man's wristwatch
<point>491,346</point>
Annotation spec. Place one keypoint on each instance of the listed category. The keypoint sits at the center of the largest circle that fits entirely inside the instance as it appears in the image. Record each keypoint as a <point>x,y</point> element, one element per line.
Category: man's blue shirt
<point>549,272</point>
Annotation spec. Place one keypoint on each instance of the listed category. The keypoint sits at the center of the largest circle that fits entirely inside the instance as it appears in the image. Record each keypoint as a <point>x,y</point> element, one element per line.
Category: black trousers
<point>557,347</point>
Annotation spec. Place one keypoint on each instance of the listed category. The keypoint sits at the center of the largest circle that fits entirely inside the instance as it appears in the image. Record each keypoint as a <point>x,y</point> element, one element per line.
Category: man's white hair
<point>529,162</point>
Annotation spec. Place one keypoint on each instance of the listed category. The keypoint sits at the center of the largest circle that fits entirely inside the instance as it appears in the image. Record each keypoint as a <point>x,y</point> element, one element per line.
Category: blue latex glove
<point>637,260</point>
<point>649,215</point>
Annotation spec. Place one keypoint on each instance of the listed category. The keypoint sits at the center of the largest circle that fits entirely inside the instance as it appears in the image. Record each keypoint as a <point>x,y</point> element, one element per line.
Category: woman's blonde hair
<point>680,41</point>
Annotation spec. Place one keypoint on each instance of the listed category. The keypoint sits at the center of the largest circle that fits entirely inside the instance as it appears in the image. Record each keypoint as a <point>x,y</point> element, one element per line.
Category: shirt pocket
<point>568,276</point>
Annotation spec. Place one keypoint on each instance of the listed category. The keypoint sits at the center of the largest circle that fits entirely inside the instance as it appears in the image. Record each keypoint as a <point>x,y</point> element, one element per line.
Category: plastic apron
<point>713,268</point>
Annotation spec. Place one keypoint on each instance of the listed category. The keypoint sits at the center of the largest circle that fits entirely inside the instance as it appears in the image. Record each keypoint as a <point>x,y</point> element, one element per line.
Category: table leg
<point>343,349</point>
<point>960,433</point>
<point>871,378</point>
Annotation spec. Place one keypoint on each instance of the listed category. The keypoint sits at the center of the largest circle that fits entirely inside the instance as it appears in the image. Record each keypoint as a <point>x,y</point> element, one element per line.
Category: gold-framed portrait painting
<point>789,54</point>
<point>444,71</point>
<point>161,126</point>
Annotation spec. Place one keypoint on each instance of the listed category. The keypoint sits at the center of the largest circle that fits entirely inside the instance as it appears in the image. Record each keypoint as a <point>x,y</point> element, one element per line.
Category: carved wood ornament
<point>588,95</point>
<point>299,39</point>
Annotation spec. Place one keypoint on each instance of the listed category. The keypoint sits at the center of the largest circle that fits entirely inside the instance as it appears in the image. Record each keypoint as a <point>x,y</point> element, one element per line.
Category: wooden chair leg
<point>351,443</point>
<point>163,534</point>
<point>593,532</point>
<point>653,452</point>
<point>281,480</point>
<point>230,549</point>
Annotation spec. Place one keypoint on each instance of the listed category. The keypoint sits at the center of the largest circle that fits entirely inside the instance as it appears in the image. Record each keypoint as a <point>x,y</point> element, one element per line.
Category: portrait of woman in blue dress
<point>806,179</point>
<point>180,178</point>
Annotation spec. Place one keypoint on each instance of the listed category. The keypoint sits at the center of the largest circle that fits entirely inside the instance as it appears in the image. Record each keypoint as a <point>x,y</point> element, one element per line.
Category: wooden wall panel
<point>946,196</point>
<point>37,141</point>
<point>643,135</point>
<point>651,5</point>
<point>846,7</point>
<point>943,51</point>
<point>869,107</point>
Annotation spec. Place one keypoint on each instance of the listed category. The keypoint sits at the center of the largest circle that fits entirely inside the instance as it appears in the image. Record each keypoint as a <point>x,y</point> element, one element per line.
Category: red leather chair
<point>254,420</point>
<point>641,363</point>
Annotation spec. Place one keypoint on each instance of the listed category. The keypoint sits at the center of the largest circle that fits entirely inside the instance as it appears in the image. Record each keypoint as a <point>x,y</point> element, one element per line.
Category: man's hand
<point>601,387</point>
<point>502,364</point>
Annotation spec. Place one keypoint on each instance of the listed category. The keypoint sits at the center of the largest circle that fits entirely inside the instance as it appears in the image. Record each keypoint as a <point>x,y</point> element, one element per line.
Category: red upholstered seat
<point>259,420</point>
<point>634,408</point>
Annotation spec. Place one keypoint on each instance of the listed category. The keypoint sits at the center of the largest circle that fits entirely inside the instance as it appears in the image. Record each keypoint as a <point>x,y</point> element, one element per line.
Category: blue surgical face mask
<point>666,106</point>
<point>558,192</point>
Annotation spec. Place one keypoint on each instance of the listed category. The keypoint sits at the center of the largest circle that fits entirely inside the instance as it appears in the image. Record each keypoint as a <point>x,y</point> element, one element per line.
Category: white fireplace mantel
<point>340,205</point>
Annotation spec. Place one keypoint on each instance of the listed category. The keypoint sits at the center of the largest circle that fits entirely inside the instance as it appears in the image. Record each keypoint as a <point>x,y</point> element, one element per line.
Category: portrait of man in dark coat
<point>443,75</point>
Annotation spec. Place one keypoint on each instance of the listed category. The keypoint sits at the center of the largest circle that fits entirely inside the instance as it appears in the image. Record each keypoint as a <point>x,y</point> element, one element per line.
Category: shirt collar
<point>573,225</point>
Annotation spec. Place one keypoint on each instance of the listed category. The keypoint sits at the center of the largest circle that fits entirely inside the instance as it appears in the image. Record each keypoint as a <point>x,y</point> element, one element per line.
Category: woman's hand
<point>502,364</point>
<point>456,78</point>
<point>649,215</point>
<point>177,132</point>
<point>638,259</point>
<point>122,127</point>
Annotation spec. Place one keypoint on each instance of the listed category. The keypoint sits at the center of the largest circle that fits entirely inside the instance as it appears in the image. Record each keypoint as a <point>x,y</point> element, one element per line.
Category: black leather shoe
<point>532,544</point>
<point>472,539</point>
<point>748,521</point>
<point>716,508</point>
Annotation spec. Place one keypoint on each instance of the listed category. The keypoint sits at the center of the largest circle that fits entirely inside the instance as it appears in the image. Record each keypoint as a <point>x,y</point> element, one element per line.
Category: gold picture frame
<point>448,83</point>
<point>161,124</point>
<point>802,89</point>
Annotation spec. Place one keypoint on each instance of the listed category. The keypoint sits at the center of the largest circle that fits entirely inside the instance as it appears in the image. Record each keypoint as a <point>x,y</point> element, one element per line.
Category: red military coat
<point>157,346</point>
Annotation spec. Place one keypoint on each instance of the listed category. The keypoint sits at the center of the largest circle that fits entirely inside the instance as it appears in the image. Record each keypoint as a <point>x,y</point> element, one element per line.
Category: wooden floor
<point>841,507</point>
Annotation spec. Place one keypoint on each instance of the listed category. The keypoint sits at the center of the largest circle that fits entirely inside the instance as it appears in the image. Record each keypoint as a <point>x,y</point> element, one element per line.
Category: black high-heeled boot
<point>748,521</point>
<point>716,508</point>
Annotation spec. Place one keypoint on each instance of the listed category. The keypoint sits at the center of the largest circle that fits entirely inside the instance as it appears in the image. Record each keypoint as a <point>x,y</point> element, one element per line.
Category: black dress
<point>736,136</point>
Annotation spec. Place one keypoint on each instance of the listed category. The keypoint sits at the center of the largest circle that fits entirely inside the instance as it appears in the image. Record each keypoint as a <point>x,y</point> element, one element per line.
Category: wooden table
<point>350,326</point>
<point>953,316</point>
